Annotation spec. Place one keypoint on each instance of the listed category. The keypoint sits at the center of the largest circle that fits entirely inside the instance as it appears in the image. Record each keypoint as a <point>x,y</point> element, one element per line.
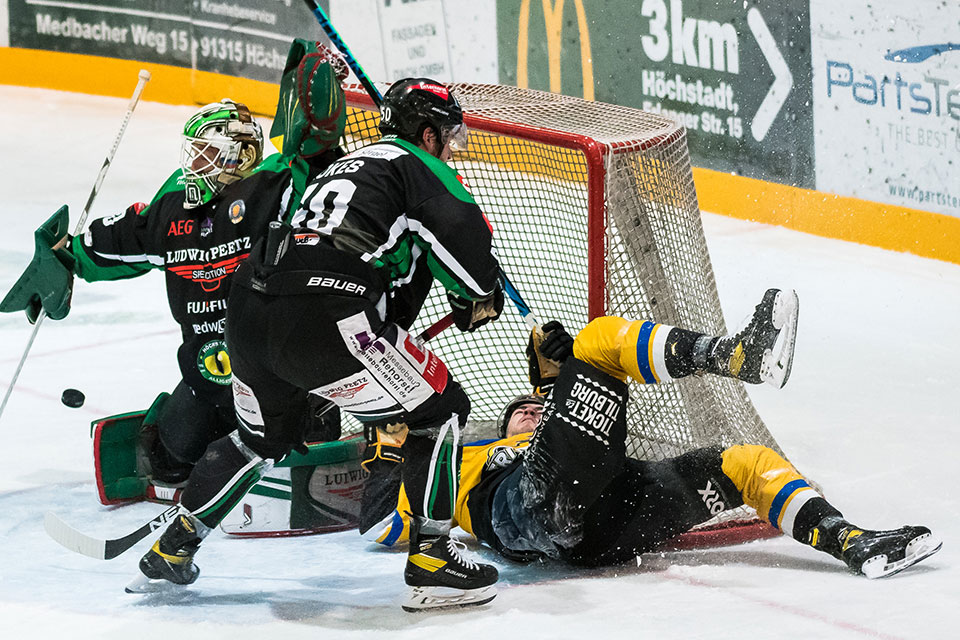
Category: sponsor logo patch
<point>712,499</point>
<point>306,239</point>
<point>237,209</point>
<point>214,363</point>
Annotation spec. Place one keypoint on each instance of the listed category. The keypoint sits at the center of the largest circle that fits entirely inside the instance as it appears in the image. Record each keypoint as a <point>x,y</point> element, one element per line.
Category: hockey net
<point>594,213</point>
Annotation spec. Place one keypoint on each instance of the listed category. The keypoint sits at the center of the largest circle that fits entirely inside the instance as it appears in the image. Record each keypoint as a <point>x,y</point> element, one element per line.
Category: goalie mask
<point>222,143</point>
<point>413,104</point>
<point>312,110</point>
<point>512,406</point>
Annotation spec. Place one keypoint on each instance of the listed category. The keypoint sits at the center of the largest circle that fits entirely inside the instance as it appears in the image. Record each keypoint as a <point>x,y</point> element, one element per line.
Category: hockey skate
<point>440,577</point>
<point>875,554</point>
<point>761,351</point>
<point>169,563</point>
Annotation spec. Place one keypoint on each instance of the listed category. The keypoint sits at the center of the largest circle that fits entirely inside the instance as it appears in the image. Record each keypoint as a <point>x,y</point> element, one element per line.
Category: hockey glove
<point>47,282</point>
<point>549,346</point>
<point>382,447</point>
<point>469,315</point>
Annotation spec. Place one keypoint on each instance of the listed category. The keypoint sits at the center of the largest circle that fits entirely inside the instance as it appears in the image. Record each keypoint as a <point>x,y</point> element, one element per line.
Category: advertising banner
<point>887,102</point>
<point>447,40</point>
<point>247,38</point>
<point>734,73</point>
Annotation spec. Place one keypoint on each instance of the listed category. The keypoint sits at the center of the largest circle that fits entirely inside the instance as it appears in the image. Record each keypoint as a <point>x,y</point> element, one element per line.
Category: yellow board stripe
<point>111,77</point>
<point>426,562</point>
<point>922,233</point>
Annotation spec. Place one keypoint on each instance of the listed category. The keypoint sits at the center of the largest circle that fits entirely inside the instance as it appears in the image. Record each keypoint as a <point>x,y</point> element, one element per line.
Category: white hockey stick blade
<point>424,598</point>
<point>100,548</point>
<point>72,539</point>
<point>778,362</point>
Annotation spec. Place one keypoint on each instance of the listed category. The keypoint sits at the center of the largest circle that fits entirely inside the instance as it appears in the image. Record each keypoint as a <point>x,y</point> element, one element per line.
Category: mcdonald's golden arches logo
<point>553,21</point>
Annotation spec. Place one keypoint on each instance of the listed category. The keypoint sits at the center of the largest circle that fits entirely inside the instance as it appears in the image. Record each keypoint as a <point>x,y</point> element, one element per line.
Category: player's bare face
<point>524,419</point>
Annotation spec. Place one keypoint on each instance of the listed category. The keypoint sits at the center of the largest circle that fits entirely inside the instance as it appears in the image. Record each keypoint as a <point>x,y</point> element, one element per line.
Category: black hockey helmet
<point>513,405</point>
<point>413,104</point>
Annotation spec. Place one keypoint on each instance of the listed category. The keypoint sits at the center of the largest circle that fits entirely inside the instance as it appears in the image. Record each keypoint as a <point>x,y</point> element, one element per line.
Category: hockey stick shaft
<point>144,77</point>
<point>338,42</point>
<point>509,290</point>
<point>107,549</point>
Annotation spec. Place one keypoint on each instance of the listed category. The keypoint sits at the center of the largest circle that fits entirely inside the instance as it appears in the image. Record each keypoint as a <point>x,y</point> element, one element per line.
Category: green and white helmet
<point>222,143</point>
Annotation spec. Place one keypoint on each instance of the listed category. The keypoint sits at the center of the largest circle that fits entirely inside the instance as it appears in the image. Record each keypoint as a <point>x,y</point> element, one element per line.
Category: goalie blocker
<point>314,492</point>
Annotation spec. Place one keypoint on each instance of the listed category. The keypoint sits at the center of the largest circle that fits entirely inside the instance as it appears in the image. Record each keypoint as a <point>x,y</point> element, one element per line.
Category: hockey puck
<point>72,398</point>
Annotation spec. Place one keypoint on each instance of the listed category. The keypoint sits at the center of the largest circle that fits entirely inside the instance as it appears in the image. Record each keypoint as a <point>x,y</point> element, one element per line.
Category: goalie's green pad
<point>118,457</point>
<point>316,492</point>
<point>319,492</point>
<point>47,282</point>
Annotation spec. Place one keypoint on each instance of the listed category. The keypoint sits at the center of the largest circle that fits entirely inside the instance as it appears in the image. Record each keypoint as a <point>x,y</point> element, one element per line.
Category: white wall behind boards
<point>4,24</point>
<point>448,40</point>
<point>886,87</point>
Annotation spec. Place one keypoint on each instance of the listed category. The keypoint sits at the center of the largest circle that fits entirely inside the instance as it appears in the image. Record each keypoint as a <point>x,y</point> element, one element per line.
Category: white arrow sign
<point>783,79</point>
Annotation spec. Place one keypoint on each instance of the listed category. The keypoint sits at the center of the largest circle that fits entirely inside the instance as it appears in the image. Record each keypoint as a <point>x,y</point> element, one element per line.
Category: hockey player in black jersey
<point>558,483</point>
<point>199,227</point>
<point>323,307</point>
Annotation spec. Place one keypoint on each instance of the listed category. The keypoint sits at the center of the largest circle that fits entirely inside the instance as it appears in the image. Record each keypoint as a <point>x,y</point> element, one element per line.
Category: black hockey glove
<point>322,422</point>
<point>557,343</point>
<point>549,346</point>
<point>469,315</point>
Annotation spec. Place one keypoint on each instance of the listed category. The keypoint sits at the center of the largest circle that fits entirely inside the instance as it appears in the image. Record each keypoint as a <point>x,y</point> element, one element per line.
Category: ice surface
<point>871,413</point>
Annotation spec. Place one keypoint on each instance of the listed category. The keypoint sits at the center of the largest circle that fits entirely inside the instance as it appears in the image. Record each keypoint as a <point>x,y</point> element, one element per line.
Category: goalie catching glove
<point>549,346</point>
<point>469,315</point>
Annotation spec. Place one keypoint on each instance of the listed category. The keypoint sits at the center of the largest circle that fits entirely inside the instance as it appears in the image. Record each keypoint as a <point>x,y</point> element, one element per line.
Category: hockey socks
<point>782,497</point>
<point>226,472</point>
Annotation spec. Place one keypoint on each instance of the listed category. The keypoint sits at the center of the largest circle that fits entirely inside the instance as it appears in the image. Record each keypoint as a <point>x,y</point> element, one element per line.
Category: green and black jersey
<point>401,210</point>
<point>198,249</point>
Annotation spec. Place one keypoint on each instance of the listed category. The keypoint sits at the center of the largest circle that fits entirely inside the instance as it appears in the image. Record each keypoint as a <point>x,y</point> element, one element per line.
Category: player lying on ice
<point>569,491</point>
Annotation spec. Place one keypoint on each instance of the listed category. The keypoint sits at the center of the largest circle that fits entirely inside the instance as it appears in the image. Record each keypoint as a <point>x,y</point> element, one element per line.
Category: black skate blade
<point>436,598</point>
<point>777,363</point>
<point>921,547</point>
<point>143,585</point>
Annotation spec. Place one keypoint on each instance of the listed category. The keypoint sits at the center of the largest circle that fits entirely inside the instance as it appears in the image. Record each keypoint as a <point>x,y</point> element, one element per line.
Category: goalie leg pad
<point>578,448</point>
<point>120,458</point>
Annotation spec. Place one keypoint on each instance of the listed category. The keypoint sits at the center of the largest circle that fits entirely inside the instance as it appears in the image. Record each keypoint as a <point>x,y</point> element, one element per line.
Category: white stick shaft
<point>144,77</point>
<point>134,100</point>
<point>23,358</point>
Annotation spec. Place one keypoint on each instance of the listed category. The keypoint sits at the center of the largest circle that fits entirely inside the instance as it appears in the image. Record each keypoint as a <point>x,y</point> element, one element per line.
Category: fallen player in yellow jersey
<point>558,482</point>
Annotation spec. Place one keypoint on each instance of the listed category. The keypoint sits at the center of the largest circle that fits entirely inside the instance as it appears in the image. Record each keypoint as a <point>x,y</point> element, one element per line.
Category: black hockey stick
<point>509,290</point>
<point>98,548</point>
<point>101,549</point>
